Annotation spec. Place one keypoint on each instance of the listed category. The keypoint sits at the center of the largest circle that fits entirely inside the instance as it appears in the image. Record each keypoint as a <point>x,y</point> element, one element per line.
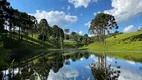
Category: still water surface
<point>79,66</point>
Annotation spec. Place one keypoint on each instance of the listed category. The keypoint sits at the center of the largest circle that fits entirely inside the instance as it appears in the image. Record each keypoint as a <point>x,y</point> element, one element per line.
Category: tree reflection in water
<point>38,69</point>
<point>41,67</point>
<point>101,71</point>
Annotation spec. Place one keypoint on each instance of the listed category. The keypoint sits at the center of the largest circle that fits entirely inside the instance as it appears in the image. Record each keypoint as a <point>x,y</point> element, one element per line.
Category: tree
<point>58,35</point>
<point>73,33</point>
<point>26,24</point>
<point>33,25</point>
<point>61,32</point>
<point>11,20</point>
<point>74,36</point>
<point>21,20</point>
<point>102,24</point>
<point>140,29</point>
<point>85,39</point>
<point>102,71</point>
<point>4,6</point>
<point>66,32</point>
<point>44,29</point>
<point>58,32</point>
<point>18,22</point>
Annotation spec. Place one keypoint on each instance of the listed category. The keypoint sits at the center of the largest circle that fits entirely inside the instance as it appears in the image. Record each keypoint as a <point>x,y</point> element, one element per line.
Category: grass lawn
<point>117,47</point>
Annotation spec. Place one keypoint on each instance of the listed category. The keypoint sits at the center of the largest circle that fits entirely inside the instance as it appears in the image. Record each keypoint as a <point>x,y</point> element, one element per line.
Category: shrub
<point>70,44</point>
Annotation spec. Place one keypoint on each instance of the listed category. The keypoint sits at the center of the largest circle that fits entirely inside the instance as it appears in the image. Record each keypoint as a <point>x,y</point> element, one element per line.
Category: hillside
<point>125,46</point>
<point>28,46</point>
<point>124,42</point>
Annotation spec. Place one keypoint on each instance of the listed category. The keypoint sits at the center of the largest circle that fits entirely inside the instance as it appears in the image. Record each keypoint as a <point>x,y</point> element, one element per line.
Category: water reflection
<point>38,69</point>
<point>76,66</point>
<point>101,71</point>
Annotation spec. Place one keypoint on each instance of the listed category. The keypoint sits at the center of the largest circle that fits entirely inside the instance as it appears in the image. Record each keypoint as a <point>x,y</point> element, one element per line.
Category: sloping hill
<point>124,42</point>
<point>126,35</point>
<point>124,46</point>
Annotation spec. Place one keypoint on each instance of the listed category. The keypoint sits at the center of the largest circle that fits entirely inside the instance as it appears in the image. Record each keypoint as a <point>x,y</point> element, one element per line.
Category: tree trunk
<point>19,33</point>
<point>10,32</point>
<point>64,36</point>
<point>32,33</point>
<point>104,39</point>
<point>27,34</point>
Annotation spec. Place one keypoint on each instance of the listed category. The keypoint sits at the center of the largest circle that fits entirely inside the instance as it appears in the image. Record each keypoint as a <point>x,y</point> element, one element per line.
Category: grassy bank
<point>123,42</point>
<point>30,46</point>
<point>22,49</point>
<point>126,46</point>
<point>132,56</point>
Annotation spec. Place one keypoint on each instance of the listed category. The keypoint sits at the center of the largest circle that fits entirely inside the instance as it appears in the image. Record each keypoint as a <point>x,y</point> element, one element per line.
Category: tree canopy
<point>43,29</point>
<point>102,24</point>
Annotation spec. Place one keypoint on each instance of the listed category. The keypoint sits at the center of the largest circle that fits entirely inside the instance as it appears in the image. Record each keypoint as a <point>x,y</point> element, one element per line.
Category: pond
<point>75,66</point>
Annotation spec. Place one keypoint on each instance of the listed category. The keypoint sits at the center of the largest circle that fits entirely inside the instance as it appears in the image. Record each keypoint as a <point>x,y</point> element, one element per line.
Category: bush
<point>132,39</point>
<point>52,39</point>
<point>55,41</point>
<point>70,44</point>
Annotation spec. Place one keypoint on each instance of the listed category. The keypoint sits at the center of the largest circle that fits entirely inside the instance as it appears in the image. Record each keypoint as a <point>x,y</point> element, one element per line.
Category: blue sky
<point>76,14</point>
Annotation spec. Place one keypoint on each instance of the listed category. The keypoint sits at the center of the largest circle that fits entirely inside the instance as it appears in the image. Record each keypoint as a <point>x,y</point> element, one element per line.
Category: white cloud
<point>79,3</point>
<point>131,62</point>
<point>97,13</point>
<point>91,35</point>
<point>63,73</point>
<point>128,29</point>
<point>87,24</point>
<point>68,7</point>
<point>125,9</point>
<point>130,74</point>
<point>56,18</point>
<point>93,56</point>
<point>81,59</point>
<point>109,59</point>
<point>80,32</point>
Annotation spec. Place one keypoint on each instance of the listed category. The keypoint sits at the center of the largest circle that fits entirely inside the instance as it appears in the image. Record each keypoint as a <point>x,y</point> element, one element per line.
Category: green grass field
<point>121,46</point>
<point>120,43</point>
